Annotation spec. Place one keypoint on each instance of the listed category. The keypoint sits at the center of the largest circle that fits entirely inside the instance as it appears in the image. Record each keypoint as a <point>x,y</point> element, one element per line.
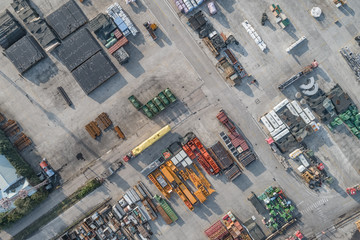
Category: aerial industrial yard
<point>197,119</point>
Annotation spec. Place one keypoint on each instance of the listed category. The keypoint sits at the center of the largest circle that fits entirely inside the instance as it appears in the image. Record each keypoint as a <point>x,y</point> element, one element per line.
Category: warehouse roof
<point>25,53</point>
<point>36,25</point>
<point>95,71</point>
<point>66,19</point>
<point>77,49</point>
<point>10,30</point>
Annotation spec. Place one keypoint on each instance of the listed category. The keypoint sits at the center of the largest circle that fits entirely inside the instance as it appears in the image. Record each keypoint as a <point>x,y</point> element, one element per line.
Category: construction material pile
<point>228,228</point>
<point>102,122</point>
<point>235,141</point>
<point>36,25</point>
<point>351,117</point>
<point>279,207</point>
<point>253,34</point>
<point>12,129</point>
<point>170,173</point>
<point>122,21</point>
<point>225,161</point>
<point>353,60</point>
<point>128,219</point>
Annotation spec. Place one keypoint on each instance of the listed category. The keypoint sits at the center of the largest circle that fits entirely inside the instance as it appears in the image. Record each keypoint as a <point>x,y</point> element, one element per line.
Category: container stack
<point>261,44</point>
<point>121,20</point>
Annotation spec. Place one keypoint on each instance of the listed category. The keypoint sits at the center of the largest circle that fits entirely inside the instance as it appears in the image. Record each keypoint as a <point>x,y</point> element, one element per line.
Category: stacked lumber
<point>103,121</point>
<point>7,123</point>
<point>12,129</point>
<point>2,118</point>
<point>93,129</point>
<point>22,142</point>
<point>119,132</point>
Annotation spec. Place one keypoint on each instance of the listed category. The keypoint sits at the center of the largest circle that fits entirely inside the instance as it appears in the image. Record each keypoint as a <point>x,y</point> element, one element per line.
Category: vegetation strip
<point>59,208</point>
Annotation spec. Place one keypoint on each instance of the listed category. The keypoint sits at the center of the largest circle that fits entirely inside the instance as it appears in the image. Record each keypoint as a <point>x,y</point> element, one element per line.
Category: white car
<point>212,8</point>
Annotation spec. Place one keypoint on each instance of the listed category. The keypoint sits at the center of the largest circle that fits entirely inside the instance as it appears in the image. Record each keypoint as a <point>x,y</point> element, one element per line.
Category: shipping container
<point>221,156</point>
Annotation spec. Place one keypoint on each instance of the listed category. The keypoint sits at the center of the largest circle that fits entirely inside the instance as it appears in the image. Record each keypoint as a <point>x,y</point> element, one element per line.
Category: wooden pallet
<point>93,129</point>
<point>103,121</point>
<point>209,44</point>
<point>7,123</point>
<point>11,129</point>
<point>120,134</point>
<point>22,142</point>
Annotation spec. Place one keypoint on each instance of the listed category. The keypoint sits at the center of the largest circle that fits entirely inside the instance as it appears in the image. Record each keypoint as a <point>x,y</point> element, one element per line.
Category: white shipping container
<point>281,135</point>
<point>281,105</point>
<point>183,163</point>
<point>305,118</point>
<point>278,130</point>
<point>183,154</point>
<point>276,117</point>
<point>267,124</point>
<point>188,161</point>
<point>117,213</point>
<point>272,120</point>
<point>296,106</point>
<point>292,110</point>
<point>174,160</point>
<point>303,160</point>
<point>309,114</point>
<point>178,157</point>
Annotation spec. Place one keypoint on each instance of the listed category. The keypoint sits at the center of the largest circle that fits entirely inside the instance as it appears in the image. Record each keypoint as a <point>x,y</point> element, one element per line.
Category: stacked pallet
<point>22,142</point>
<point>12,129</point>
<point>93,129</point>
<point>103,121</point>
<point>119,132</point>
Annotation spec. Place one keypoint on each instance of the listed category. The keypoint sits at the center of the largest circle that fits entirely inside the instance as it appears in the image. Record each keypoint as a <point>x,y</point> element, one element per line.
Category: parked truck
<point>45,167</point>
<point>151,27</point>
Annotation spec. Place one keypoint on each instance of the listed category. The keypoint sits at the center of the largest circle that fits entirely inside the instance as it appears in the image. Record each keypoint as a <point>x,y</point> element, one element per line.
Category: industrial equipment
<point>151,27</point>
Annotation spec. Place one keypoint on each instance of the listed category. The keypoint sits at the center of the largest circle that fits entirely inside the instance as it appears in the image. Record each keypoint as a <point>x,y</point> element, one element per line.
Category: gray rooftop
<point>66,19</point>
<point>36,25</point>
<point>10,30</point>
<point>95,71</point>
<point>25,53</point>
<point>77,49</point>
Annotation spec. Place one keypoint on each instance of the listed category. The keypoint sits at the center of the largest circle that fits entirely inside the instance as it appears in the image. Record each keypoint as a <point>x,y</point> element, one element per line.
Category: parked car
<point>212,8</point>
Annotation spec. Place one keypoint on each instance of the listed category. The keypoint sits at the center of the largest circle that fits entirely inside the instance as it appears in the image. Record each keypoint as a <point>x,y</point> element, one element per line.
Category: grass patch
<point>59,208</point>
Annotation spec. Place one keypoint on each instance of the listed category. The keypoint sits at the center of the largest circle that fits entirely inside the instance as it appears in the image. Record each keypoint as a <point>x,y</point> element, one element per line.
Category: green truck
<point>169,95</point>
<point>136,103</point>
<point>158,103</point>
<point>152,107</point>
<point>147,111</point>
<point>163,98</point>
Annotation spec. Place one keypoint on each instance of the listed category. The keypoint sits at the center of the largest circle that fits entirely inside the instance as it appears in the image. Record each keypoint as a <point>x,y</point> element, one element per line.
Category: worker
<point>254,81</point>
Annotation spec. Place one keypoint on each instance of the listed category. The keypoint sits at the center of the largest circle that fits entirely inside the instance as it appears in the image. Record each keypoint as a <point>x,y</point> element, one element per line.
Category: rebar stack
<point>353,60</point>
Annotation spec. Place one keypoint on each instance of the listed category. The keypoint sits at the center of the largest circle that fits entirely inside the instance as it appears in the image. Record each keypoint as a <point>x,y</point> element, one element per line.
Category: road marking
<point>314,206</point>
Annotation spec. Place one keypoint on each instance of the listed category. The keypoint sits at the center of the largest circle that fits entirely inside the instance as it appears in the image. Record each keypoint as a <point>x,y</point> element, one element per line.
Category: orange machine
<point>168,170</point>
<point>161,183</point>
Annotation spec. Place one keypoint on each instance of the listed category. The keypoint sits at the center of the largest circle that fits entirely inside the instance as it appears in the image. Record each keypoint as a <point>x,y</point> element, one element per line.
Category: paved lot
<point>179,61</point>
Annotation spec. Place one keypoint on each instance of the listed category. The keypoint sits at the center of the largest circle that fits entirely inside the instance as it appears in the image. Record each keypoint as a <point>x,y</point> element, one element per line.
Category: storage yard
<point>239,118</point>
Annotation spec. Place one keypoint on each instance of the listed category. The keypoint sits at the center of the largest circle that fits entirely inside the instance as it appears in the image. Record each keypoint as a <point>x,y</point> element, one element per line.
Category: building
<point>10,182</point>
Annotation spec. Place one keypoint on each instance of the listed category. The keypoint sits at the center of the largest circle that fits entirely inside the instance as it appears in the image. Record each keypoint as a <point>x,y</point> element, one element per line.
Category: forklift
<point>151,27</point>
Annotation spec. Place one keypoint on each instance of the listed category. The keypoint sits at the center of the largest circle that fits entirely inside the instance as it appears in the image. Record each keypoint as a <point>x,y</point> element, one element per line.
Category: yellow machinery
<point>307,176</point>
<point>151,140</point>
<point>184,193</point>
<point>358,224</point>
<point>201,193</point>
<point>160,182</point>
